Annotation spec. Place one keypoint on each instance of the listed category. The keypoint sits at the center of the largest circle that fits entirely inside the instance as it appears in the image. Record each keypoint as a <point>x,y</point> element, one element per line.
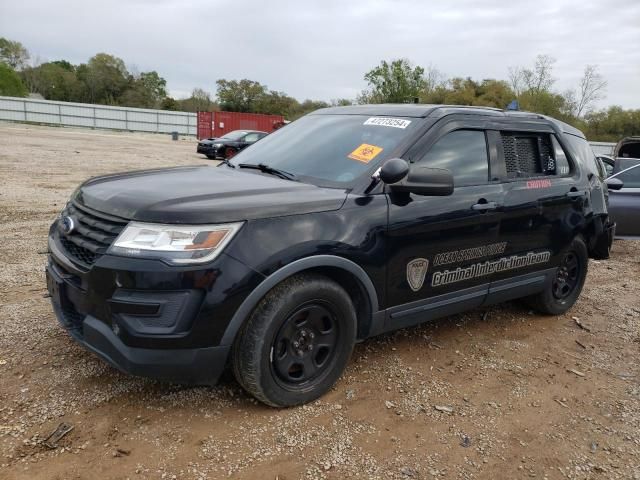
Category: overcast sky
<point>321,49</point>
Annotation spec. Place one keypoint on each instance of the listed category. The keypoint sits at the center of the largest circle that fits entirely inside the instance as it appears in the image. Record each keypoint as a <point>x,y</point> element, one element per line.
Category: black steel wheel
<point>567,276</point>
<point>564,288</point>
<point>305,344</point>
<point>297,342</point>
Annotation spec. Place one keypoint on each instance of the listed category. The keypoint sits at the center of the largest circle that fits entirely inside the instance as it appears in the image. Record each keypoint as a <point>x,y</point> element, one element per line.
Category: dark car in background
<point>204,145</point>
<point>229,144</point>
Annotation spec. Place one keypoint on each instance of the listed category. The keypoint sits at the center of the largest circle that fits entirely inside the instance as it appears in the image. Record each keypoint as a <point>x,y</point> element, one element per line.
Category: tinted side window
<point>464,153</point>
<point>252,137</point>
<point>562,166</point>
<point>630,178</point>
<point>584,153</point>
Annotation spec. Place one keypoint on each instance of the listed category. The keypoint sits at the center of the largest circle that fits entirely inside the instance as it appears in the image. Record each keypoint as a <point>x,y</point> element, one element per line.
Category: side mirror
<point>416,179</point>
<point>394,170</point>
<point>614,183</point>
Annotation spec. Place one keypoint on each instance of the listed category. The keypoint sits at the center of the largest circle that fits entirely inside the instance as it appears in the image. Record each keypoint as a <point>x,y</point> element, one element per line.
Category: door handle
<point>575,194</point>
<point>484,206</point>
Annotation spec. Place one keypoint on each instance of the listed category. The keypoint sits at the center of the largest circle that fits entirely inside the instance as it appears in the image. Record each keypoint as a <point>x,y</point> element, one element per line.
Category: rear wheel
<point>565,287</point>
<point>297,342</point>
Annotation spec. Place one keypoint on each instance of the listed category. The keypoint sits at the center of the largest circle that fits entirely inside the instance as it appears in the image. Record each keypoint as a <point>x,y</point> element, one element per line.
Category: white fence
<point>602,148</point>
<point>96,116</point>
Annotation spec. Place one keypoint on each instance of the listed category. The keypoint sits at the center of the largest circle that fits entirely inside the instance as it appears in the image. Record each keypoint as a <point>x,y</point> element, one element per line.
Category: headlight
<point>176,244</point>
<point>216,145</point>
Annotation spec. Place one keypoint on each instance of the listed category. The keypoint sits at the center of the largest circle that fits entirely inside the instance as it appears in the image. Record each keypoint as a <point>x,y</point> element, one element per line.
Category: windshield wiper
<point>270,170</point>
<point>227,163</point>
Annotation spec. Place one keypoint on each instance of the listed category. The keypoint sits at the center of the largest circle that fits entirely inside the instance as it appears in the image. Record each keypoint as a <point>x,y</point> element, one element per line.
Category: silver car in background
<point>624,199</point>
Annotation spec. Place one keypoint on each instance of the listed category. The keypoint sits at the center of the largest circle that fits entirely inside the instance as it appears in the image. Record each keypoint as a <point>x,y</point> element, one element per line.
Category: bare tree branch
<point>592,88</point>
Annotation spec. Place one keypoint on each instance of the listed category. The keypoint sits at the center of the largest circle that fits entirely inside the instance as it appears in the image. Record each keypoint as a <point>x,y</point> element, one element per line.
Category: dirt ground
<point>495,393</point>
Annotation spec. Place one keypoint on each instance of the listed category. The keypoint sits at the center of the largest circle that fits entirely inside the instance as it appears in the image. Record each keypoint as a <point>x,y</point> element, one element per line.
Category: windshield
<point>235,135</point>
<point>336,149</point>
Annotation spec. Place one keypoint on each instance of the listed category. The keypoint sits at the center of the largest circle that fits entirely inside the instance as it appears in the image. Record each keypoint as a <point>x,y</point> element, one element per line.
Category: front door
<point>438,246</point>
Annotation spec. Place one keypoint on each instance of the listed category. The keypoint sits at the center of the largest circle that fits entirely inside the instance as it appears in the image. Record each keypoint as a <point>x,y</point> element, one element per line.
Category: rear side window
<point>562,163</point>
<point>584,153</point>
<point>464,153</point>
<point>533,155</point>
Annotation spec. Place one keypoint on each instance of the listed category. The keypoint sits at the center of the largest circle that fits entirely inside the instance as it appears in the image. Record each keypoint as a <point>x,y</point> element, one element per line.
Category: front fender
<point>247,306</point>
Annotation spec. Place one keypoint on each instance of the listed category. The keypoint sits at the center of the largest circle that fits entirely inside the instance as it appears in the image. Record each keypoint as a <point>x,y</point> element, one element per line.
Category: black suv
<point>350,222</point>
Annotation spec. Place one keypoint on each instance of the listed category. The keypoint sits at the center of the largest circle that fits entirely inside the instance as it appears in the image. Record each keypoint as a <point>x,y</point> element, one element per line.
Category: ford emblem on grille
<point>68,225</point>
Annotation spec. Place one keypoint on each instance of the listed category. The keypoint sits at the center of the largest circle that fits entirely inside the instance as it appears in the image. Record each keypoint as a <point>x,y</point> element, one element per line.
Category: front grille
<point>92,236</point>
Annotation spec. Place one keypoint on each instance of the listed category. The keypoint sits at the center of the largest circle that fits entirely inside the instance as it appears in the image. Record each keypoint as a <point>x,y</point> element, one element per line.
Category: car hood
<point>203,194</point>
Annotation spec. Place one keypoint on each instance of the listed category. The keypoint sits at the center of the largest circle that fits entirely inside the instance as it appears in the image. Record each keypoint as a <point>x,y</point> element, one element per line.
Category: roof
<point>417,110</point>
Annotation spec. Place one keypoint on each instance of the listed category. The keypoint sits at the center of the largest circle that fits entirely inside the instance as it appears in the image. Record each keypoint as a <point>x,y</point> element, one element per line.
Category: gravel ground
<point>494,393</point>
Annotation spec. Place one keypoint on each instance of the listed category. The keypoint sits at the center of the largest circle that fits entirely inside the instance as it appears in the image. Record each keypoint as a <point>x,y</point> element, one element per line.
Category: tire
<point>297,342</point>
<point>211,157</point>
<point>230,152</point>
<point>563,291</point>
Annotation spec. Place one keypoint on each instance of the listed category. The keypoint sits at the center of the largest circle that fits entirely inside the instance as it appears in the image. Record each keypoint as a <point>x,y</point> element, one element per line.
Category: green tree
<point>612,124</point>
<point>13,53</point>
<point>145,90</point>
<point>53,82</point>
<point>341,102</point>
<point>65,64</point>
<point>397,81</point>
<point>305,107</point>
<point>105,78</point>
<point>199,101</point>
<point>10,83</point>
<point>276,103</point>
<point>533,85</point>
<point>169,103</point>
<point>154,84</point>
<point>494,93</point>
<point>240,96</point>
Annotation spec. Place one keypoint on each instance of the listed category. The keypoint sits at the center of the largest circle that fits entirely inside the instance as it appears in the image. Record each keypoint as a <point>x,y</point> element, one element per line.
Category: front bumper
<point>196,366</point>
<point>146,318</point>
<point>207,150</point>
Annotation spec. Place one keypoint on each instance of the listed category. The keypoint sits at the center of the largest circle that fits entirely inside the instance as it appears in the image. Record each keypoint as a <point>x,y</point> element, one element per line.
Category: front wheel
<point>564,289</point>
<point>297,342</point>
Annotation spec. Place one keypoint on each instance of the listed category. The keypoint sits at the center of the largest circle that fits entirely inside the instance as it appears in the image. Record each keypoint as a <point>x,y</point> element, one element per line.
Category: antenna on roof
<point>513,105</point>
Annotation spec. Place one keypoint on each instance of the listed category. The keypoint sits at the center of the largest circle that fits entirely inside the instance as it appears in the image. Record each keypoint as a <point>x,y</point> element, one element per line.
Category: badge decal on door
<point>416,272</point>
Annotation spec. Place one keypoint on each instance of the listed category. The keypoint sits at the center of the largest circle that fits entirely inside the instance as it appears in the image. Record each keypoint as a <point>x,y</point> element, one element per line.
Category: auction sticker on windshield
<point>365,153</point>
<point>388,122</point>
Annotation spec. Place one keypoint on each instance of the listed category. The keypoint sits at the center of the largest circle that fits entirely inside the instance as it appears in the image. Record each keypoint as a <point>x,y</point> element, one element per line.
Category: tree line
<point>105,79</point>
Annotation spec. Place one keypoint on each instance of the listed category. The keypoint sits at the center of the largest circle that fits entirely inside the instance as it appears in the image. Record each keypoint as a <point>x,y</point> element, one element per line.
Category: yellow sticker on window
<point>365,153</point>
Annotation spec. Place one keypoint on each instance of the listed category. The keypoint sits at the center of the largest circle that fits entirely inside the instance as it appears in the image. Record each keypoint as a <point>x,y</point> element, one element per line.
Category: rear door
<point>543,206</point>
<point>437,244</point>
